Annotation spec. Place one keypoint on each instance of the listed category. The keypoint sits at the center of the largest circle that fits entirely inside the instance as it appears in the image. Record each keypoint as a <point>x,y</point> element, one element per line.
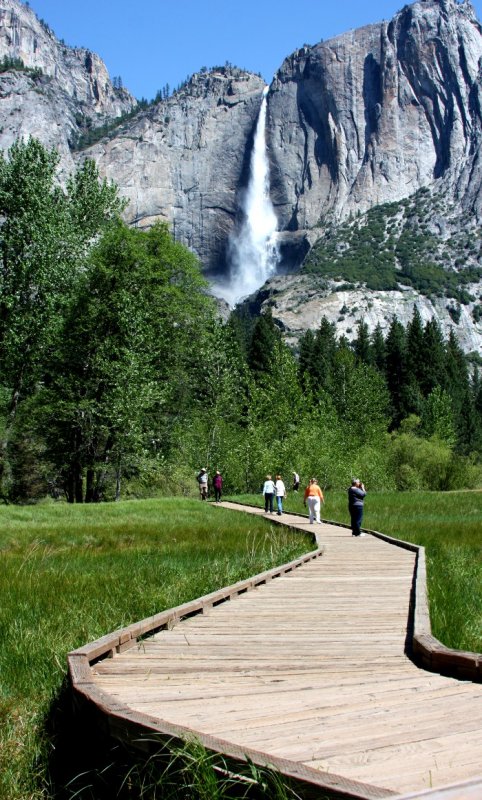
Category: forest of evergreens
<point>118,379</point>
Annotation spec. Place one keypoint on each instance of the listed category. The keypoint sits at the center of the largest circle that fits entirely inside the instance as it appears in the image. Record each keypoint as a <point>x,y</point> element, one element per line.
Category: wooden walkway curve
<point>308,672</point>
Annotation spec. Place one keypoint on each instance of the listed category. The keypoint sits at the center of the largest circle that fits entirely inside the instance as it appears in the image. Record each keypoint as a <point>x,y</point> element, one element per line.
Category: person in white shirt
<point>280,493</point>
<point>269,491</point>
<point>202,479</point>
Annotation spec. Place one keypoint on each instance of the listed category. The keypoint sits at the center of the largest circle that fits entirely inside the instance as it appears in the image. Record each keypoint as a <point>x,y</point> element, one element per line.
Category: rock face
<point>70,91</point>
<point>367,118</point>
<point>186,159</point>
<point>370,116</point>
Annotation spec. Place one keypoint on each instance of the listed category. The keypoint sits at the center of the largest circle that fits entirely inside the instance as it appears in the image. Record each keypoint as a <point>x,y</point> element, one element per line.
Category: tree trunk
<point>89,485</point>
<point>118,483</point>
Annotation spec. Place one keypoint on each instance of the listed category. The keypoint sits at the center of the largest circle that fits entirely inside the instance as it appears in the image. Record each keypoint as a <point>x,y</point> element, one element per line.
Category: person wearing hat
<point>217,486</point>
<point>202,479</point>
<point>356,496</point>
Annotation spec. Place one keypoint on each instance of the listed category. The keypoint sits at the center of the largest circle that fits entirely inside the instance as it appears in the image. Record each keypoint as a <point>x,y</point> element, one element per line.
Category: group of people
<point>276,489</point>
<point>203,482</point>
<point>314,498</point>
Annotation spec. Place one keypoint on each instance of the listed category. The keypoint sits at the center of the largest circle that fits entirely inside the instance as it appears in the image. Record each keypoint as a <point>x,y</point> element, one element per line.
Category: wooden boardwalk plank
<point>312,667</point>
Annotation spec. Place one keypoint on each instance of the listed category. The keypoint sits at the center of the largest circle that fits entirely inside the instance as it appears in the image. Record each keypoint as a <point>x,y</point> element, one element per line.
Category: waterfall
<point>252,250</point>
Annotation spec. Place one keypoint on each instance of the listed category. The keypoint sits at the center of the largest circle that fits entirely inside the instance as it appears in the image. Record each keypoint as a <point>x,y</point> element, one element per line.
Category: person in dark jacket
<point>356,496</point>
<point>217,486</point>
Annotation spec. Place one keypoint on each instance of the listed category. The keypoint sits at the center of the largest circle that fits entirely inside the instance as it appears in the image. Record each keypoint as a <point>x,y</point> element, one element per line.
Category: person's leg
<point>311,507</point>
<point>356,518</point>
<point>359,520</point>
<point>271,503</point>
<point>279,501</point>
<point>266,503</point>
<point>316,508</point>
<point>353,521</point>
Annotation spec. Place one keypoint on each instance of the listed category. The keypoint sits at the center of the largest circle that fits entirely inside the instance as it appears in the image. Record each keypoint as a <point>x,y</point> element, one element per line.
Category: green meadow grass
<point>69,574</point>
<point>449,526</point>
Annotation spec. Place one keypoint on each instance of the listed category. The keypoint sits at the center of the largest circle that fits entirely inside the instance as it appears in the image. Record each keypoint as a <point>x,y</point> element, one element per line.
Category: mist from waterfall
<point>252,250</point>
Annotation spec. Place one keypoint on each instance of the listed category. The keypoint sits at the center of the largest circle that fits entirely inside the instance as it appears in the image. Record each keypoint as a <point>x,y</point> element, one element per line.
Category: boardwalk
<point>311,668</point>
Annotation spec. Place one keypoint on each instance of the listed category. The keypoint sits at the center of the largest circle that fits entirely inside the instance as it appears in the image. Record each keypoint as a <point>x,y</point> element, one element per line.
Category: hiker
<point>202,479</point>
<point>217,486</point>
<point>296,481</point>
<point>280,493</point>
<point>356,496</point>
<point>268,492</point>
<point>314,496</point>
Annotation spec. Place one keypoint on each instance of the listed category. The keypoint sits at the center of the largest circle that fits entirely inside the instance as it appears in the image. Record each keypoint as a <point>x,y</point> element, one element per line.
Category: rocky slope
<point>299,302</point>
<point>368,118</point>
<point>62,91</point>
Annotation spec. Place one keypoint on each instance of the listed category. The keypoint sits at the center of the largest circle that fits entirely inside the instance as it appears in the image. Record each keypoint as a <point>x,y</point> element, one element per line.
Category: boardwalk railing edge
<point>124,638</point>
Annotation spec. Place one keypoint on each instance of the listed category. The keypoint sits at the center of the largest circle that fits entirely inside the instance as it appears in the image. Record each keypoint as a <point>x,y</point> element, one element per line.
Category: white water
<point>252,251</point>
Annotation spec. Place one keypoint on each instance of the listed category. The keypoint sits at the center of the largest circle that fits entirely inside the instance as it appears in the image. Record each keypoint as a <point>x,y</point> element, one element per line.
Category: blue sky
<point>151,43</point>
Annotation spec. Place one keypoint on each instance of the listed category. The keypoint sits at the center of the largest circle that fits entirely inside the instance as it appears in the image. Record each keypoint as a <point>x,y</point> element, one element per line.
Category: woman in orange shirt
<point>315,498</point>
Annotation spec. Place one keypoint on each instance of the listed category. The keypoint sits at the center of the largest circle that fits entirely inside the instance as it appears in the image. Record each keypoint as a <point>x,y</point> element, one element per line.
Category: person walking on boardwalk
<point>296,481</point>
<point>356,496</point>
<point>314,497</point>
<point>202,479</point>
<point>217,486</point>
<point>280,493</point>
<point>269,490</point>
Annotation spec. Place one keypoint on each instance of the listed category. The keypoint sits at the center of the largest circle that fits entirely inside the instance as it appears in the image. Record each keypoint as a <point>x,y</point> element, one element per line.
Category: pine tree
<point>263,343</point>
<point>414,363</point>
<point>306,358</point>
<point>324,351</point>
<point>432,368</point>
<point>378,350</point>
<point>361,345</point>
<point>415,345</point>
<point>458,387</point>
<point>396,371</point>
<point>476,396</point>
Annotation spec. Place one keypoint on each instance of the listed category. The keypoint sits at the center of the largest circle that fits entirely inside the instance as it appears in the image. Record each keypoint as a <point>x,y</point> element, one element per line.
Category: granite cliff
<point>368,118</point>
<point>61,91</point>
<point>371,116</point>
<point>183,160</point>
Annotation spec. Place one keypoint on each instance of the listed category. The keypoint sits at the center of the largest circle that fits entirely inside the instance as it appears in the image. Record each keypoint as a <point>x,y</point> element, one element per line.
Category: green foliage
<point>392,244</point>
<point>9,64</point>
<point>124,358</point>
<point>438,417</point>
<point>418,463</point>
<point>90,134</point>
<point>44,239</point>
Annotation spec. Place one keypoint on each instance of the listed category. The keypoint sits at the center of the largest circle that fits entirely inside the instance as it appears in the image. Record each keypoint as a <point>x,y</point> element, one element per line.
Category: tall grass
<point>190,772</point>
<point>69,574</point>
<point>449,526</point>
